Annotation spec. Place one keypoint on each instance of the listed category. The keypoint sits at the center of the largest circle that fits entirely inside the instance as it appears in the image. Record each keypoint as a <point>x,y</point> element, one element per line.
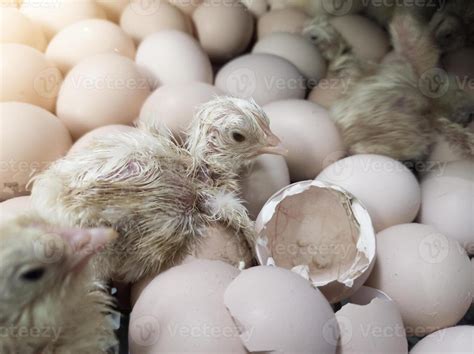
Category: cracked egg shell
<point>426,273</point>
<point>371,324</point>
<point>321,232</point>
<point>279,312</point>
<point>183,310</point>
<point>454,340</point>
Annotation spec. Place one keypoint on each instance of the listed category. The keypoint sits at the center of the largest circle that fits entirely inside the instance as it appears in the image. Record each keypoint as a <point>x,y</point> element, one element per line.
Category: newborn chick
<point>398,108</point>
<point>48,301</point>
<point>159,196</point>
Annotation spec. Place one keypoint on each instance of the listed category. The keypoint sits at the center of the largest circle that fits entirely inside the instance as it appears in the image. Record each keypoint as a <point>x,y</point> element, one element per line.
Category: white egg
<point>385,186</point>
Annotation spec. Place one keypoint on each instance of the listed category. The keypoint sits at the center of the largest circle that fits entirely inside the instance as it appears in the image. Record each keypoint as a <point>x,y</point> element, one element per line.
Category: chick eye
<point>238,137</point>
<point>33,275</point>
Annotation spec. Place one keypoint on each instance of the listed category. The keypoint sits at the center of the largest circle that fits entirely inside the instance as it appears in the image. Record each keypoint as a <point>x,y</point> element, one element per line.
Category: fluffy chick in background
<point>397,108</point>
<point>450,21</point>
<point>159,196</point>
<point>48,300</point>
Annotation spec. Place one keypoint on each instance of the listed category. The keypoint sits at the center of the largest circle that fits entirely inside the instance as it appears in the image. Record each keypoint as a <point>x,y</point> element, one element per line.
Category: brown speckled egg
<point>174,105</point>
<point>27,76</point>
<point>388,189</point>
<point>17,28</point>
<point>31,138</point>
<point>279,312</point>
<point>173,57</point>
<point>86,38</point>
<point>139,22</point>
<point>289,20</point>
<point>224,28</point>
<point>311,137</point>
<point>183,310</point>
<point>101,90</point>
<point>54,15</point>
<point>447,195</point>
<point>426,273</point>
<point>263,77</point>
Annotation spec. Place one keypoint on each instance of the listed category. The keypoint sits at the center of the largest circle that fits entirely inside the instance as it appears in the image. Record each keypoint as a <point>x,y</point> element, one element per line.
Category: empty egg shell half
<point>321,232</point>
<point>277,311</point>
<point>371,324</point>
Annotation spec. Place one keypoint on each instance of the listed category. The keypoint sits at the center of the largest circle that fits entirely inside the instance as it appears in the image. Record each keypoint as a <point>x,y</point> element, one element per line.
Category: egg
<point>267,175</point>
<point>427,274</point>
<point>329,90</point>
<point>224,28</point>
<point>173,57</point>
<point>113,8</point>
<point>186,6</point>
<point>31,139</point>
<point>139,21</point>
<point>322,233</point>
<point>256,7</point>
<point>447,196</point>
<point>183,310</point>
<point>11,208</point>
<point>101,90</point>
<point>308,133</point>
<point>279,312</point>
<point>263,77</point>
<point>290,20</point>
<point>297,50</point>
<point>371,324</point>
<point>175,105</point>
<point>86,38</point>
<point>27,76</point>
<point>454,340</point>
<point>385,186</point>
<point>85,140</point>
<point>17,28</point>
<point>367,39</point>
<point>54,15</point>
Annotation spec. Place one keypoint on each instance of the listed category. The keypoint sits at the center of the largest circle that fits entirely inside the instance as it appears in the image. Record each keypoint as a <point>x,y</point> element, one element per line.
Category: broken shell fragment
<point>371,323</point>
<point>279,312</point>
<point>321,232</point>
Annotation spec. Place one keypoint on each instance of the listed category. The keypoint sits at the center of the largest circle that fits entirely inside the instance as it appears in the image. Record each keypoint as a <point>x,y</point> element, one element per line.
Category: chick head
<point>38,263</point>
<point>232,128</point>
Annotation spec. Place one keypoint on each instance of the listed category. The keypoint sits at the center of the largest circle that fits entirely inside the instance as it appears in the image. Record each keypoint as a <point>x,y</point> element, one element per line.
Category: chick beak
<point>274,146</point>
<point>84,243</point>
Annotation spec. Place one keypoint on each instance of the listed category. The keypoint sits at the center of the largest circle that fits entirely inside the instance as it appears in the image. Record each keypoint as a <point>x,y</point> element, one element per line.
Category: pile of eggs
<point>356,254</point>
